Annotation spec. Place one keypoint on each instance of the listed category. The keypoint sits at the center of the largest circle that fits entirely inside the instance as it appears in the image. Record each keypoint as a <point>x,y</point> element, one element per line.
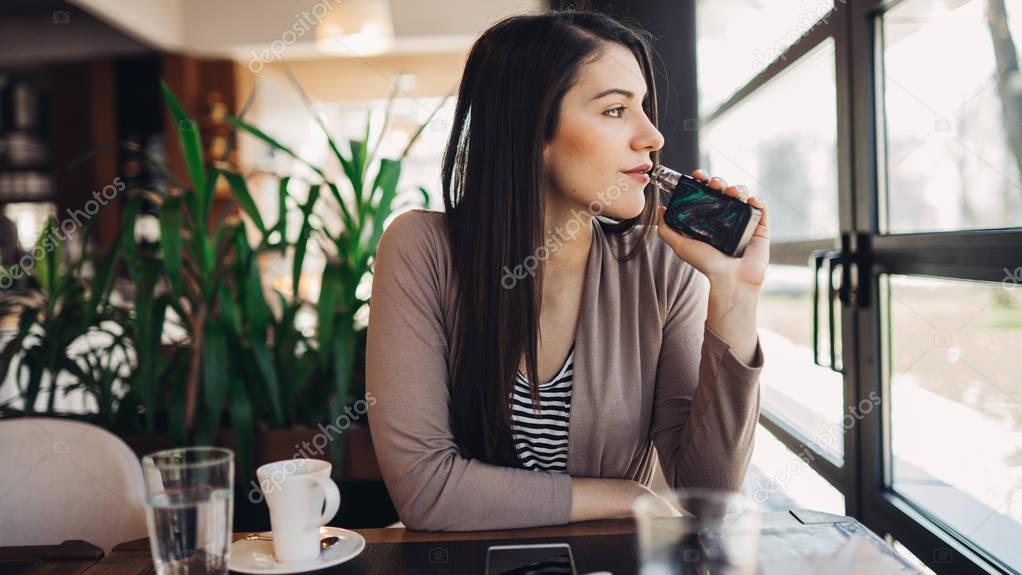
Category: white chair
<point>63,479</point>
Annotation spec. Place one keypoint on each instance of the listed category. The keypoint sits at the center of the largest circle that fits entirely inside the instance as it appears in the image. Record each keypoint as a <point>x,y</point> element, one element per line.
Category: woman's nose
<point>650,138</point>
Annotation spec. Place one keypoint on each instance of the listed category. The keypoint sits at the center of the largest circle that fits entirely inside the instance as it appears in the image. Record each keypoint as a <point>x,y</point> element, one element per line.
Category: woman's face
<point>601,134</point>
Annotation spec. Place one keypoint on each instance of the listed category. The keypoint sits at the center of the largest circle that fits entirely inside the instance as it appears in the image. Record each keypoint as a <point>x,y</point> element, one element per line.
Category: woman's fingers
<point>741,192</point>
<point>718,183</point>
<point>764,222</point>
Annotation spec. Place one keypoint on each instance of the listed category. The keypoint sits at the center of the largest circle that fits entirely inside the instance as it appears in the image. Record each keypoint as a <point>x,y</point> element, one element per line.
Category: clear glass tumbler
<point>697,531</point>
<point>190,509</point>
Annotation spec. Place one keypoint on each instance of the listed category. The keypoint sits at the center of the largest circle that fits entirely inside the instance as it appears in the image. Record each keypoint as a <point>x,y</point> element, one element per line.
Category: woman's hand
<point>601,498</point>
<point>748,270</point>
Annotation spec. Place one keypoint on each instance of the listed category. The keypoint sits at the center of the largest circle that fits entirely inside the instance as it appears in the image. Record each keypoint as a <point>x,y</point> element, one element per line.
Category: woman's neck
<point>567,235</point>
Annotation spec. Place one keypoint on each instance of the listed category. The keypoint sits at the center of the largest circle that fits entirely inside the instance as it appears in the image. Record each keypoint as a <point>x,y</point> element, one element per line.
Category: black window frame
<point>864,476</point>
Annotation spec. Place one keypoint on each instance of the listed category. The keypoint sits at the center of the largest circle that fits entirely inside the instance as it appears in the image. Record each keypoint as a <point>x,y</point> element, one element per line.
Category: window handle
<point>825,259</point>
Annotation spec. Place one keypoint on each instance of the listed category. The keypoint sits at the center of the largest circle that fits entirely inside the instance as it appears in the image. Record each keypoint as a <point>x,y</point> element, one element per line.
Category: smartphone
<point>705,214</point>
<point>530,559</point>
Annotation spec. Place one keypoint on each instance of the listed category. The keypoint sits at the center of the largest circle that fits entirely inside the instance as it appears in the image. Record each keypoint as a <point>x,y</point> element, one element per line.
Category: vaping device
<point>705,214</point>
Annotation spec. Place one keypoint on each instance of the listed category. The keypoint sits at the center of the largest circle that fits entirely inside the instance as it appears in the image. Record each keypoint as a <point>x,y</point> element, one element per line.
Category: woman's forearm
<point>732,315</point>
<point>598,498</point>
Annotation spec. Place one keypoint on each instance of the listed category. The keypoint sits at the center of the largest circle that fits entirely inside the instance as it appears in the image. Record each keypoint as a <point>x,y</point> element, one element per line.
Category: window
<point>764,32</point>
<point>949,157</point>
<point>779,480</point>
<point>782,143</point>
<point>769,120</point>
<point>886,136</point>
<point>803,394</point>
<point>953,157</point>
<point>956,404</point>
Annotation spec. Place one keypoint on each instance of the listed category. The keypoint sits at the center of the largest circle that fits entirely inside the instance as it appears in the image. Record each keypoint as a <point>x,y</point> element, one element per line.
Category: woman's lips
<point>639,176</point>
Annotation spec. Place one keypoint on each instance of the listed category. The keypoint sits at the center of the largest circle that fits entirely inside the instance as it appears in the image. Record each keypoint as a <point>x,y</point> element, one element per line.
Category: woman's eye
<point>620,109</point>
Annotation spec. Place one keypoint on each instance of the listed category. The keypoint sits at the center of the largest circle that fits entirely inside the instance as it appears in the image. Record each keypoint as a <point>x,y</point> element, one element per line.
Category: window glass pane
<point>763,32</point>
<point>782,143</point>
<point>953,126</point>
<point>779,480</point>
<point>793,387</point>
<point>954,369</point>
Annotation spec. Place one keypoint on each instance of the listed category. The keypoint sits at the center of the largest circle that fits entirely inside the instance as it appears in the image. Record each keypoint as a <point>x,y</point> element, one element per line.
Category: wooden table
<point>607,545</point>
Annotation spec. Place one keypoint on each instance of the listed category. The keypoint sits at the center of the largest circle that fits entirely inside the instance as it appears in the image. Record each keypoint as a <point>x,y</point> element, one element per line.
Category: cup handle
<point>333,499</point>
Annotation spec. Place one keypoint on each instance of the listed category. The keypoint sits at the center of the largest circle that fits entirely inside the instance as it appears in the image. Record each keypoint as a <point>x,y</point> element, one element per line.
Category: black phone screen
<point>529,560</point>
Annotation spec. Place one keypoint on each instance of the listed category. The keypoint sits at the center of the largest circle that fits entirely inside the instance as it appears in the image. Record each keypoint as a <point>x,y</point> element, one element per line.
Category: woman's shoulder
<point>417,230</point>
<point>415,224</point>
<point>416,239</point>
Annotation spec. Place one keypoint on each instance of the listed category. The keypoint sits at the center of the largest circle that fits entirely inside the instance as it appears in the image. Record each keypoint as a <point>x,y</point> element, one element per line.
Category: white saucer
<point>257,556</point>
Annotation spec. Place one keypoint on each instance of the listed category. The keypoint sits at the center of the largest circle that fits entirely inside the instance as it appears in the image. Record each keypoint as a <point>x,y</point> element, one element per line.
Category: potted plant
<point>244,374</point>
<point>363,211</point>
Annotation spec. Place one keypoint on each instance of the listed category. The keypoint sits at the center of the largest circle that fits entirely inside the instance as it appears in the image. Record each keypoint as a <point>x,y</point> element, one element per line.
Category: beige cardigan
<point>648,371</point>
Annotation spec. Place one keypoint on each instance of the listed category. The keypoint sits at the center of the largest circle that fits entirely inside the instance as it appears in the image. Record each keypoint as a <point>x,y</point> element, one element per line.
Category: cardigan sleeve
<point>433,487</point>
<point>707,400</point>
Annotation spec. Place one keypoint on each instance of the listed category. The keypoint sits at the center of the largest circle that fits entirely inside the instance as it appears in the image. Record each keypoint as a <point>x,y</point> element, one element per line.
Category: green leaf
<point>264,362</point>
<point>256,312</point>
<point>355,171</point>
<point>150,314</point>
<point>11,348</point>
<point>33,363</point>
<point>191,145</point>
<point>177,431</point>
<point>207,197</point>
<point>215,373</point>
<point>153,340</point>
<point>301,246</point>
<point>241,193</point>
<point>343,356</point>
<point>128,219</point>
<point>282,195</point>
<point>243,425</point>
<point>386,181</point>
<point>343,359</point>
<point>170,242</point>
<point>48,268</point>
<point>329,296</point>
<point>244,126</point>
<point>229,310</point>
<point>346,219</point>
<point>103,282</point>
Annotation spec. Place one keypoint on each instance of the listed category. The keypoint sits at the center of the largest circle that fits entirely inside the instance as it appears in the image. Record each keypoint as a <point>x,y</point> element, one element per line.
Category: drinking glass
<point>697,531</point>
<point>189,509</point>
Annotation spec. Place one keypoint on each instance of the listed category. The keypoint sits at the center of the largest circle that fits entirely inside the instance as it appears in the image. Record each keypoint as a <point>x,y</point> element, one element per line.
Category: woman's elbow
<point>419,517</point>
<point>423,505</point>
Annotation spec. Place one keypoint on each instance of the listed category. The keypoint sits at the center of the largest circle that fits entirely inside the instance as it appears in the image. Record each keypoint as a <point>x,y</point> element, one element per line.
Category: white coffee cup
<point>296,491</point>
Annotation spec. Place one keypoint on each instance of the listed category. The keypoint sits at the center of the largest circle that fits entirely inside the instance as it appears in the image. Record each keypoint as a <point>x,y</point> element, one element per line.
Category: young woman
<point>543,268</point>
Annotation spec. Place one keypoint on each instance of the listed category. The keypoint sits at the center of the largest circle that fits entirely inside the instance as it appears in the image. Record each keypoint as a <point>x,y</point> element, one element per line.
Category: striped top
<point>541,439</point>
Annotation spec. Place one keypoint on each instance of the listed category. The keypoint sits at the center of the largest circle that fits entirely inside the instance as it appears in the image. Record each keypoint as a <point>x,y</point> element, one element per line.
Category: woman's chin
<point>624,209</point>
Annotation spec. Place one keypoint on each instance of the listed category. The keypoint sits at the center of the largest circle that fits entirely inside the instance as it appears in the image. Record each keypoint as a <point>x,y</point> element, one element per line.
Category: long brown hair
<point>508,105</point>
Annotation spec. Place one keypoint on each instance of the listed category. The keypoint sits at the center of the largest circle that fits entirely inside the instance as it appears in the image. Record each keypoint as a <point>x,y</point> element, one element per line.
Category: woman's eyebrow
<point>621,91</point>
